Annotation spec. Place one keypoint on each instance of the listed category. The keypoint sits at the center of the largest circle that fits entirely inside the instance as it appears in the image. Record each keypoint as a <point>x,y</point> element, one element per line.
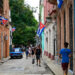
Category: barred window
<point>1,6</point>
<point>71,35</point>
<point>64,28</point>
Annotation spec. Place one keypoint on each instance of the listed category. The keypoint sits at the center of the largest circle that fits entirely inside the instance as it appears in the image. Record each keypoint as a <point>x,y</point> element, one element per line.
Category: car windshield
<point>17,50</point>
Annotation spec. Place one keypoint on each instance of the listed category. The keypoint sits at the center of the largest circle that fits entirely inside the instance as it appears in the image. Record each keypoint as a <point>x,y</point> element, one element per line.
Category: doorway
<point>71,35</point>
<point>1,45</point>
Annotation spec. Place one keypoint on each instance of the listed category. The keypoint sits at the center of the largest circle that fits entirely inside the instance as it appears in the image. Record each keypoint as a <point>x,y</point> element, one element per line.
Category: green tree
<point>24,21</point>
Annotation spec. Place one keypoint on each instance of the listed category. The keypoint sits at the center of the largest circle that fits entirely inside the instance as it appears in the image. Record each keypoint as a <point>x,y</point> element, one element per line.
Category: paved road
<point>23,67</point>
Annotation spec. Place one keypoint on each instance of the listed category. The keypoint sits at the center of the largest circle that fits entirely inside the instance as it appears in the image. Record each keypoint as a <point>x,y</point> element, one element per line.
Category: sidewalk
<point>4,60</point>
<point>54,66</point>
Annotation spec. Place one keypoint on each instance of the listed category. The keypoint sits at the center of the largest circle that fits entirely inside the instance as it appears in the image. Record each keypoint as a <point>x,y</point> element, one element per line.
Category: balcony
<point>53,1</point>
<point>48,19</point>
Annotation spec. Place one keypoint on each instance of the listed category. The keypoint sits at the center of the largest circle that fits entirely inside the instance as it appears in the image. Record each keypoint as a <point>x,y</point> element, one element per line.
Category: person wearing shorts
<point>38,54</point>
<point>65,53</point>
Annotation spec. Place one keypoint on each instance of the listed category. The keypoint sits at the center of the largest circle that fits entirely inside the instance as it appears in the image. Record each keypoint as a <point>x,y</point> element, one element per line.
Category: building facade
<point>42,20</point>
<point>65,27</point>
<point>62,31</point>
<point>50,30</point>
<point>4,30</point>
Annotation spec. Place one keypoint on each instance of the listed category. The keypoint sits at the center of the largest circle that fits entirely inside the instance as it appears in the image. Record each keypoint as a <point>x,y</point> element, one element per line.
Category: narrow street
<point>23,67</point>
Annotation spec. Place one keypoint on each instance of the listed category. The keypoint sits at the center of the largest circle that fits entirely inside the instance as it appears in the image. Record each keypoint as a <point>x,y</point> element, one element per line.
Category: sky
<point>35,4</point>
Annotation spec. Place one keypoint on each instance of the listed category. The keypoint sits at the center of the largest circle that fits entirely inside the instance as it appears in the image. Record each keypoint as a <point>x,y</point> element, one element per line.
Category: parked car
<point>16,52</point>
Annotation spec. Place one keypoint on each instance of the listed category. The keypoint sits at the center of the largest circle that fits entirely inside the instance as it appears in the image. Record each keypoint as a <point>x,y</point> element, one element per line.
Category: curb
<point>4,60</point>
<point>48,67</point>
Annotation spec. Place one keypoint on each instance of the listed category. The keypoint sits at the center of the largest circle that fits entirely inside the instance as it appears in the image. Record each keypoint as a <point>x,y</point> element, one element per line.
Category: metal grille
<point>71,35</point>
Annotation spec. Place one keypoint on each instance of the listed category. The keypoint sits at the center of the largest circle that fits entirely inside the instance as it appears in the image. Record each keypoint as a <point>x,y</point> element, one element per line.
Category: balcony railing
<point>53,1</point>
<point>48,19</point>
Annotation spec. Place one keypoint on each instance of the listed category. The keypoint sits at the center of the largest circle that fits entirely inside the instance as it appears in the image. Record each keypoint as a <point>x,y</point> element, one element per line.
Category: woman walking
<point>33,55</point>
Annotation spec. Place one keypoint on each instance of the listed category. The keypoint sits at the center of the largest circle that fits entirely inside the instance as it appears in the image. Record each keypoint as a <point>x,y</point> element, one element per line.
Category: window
<point>60,30</point>
<point>1,6</point>
<point>71,35</point>
<point>64,28</point>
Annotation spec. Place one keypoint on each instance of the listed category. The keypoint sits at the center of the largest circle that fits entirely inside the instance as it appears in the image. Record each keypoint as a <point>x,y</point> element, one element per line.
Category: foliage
<point>24,21</point>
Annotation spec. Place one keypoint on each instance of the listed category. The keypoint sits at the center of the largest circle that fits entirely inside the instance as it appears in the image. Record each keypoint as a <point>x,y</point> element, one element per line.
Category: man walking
<point>66,54</point>
<point>38,54</point>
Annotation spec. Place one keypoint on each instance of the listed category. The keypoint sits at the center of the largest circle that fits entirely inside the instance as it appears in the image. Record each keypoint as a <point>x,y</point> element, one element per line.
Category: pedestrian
<point>65,53</point>
<point>38,55</point>
<point>27,53</point>
<point>33,52</point>
<point>33,56</point>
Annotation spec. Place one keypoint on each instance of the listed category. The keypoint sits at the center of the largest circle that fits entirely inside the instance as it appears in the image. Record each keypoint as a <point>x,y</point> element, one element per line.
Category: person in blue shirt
<point>65,53</point>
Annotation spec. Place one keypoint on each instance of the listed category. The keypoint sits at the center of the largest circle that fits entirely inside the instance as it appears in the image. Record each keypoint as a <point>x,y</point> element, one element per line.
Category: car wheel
<point>21,56</point>
<point>11,57</point>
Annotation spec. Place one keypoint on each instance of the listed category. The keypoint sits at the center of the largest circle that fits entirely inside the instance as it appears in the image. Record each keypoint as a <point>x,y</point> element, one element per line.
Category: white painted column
<point>52,37</point>
<point>44,41</point>
<point>48,40</point>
